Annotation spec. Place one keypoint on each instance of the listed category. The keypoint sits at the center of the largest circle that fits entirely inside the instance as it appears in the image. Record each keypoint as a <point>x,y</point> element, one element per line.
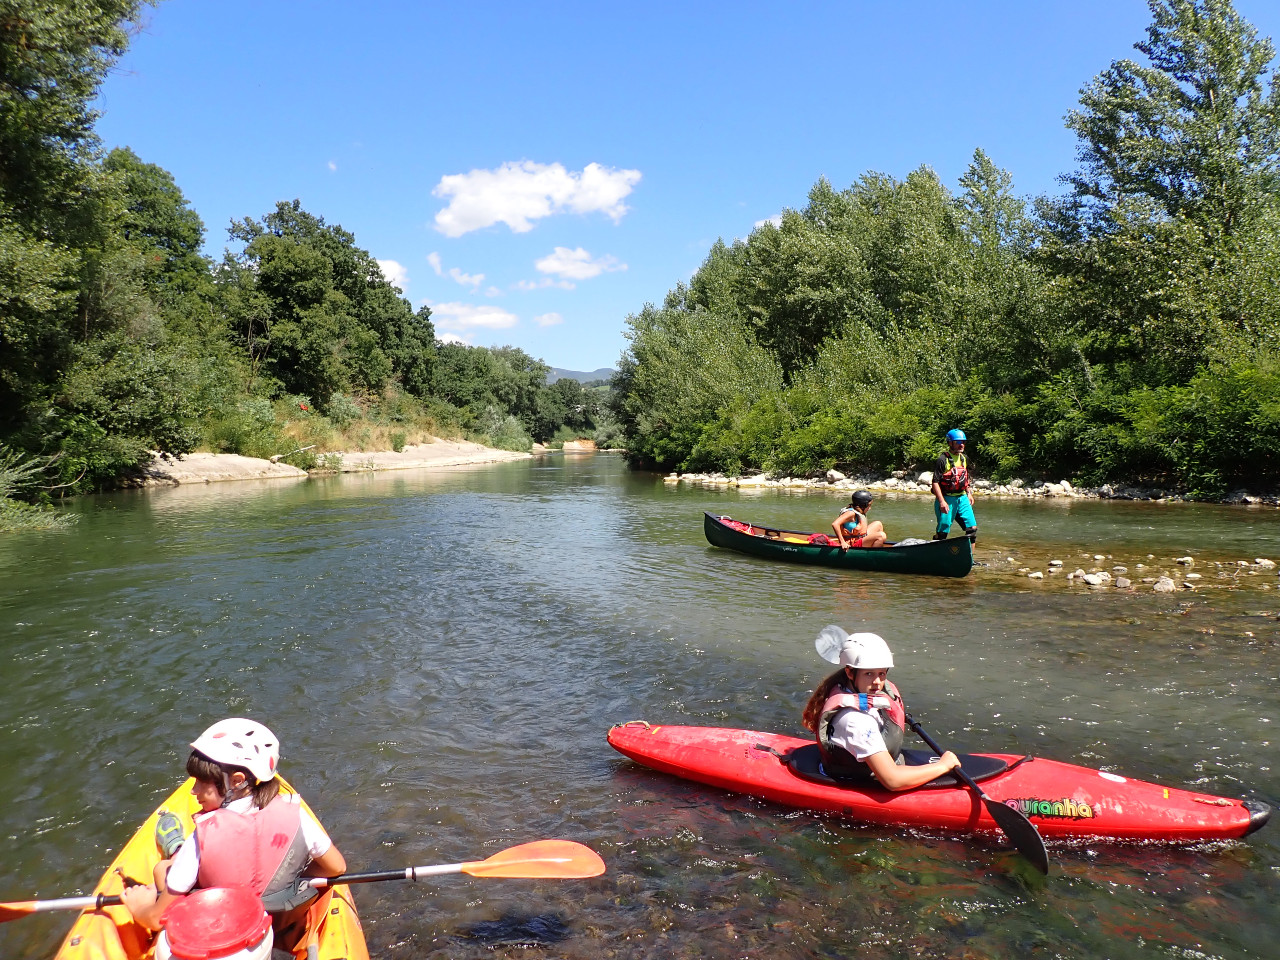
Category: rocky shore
<point>218,467</point>
<point>902,481</point>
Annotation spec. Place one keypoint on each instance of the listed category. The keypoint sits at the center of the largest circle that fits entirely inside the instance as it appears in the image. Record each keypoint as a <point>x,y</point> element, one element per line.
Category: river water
<point>442,653</point>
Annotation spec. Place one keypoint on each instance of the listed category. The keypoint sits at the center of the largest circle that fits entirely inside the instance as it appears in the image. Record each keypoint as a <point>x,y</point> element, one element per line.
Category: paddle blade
<point>17,910</point>
<point>552,859</point>
<point>829,642</point>
<point>1022,833</point>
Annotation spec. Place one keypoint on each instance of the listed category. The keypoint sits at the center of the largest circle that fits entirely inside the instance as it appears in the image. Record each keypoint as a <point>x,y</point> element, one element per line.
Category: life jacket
<point>851,525</point>
<point>955,479</point>
<point>840,762</point>
<point>263,850</point>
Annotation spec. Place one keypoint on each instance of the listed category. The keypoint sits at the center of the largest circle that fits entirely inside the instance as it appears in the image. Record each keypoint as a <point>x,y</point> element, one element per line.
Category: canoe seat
<point>806,762</point>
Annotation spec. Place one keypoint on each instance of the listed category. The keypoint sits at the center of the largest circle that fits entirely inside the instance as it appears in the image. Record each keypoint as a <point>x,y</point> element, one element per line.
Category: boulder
<point>1164,585</point>
<point>835,476</point>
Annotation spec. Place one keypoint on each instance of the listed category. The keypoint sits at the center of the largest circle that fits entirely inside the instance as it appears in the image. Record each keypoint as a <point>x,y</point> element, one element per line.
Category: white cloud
<point>472,280</point>
<point>577,264</point>
<point>452,338</point>
<point>434,260</point>
<point>548,319</point>
<point>468,316</point>
<point>776,220</point>
<point>545,282</point>
<point>492,292</point>
<point>332,166</point>
<point>518,193</point>
<point>395,273</point>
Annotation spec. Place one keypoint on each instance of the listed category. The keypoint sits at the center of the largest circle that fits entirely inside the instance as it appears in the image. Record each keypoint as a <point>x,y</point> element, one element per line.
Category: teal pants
<point>961,510</point>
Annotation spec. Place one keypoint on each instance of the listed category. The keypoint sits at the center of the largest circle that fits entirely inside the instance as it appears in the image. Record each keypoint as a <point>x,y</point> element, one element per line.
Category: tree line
<point>118,336</point>
<point>1128,330</point>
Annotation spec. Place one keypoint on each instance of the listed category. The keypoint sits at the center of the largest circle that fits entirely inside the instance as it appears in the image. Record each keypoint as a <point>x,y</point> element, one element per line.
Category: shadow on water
<point>442,653</point>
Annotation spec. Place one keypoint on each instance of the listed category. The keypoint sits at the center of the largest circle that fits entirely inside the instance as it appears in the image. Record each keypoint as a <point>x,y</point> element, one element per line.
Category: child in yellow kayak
<point>247,834</point>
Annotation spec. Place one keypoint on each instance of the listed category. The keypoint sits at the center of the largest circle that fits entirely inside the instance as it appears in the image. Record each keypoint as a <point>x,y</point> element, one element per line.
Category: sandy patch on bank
<point>216,467</point>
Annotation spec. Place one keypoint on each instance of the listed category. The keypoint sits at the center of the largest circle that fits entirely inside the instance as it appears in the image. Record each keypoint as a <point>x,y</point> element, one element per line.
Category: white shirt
<point>862,734</point>
<point>186,862</point>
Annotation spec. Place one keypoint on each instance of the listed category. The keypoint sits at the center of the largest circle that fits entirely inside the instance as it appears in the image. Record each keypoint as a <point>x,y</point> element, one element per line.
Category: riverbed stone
<point>1055,563</point>
<point>1095,579</point>
<point>1164,585</point>
<point>1035,575</point>
<point>835,476</point>
<point>1193,576</point>
<point>1124,583</point>
<point>1264,562</point>
<point>1186,561</point>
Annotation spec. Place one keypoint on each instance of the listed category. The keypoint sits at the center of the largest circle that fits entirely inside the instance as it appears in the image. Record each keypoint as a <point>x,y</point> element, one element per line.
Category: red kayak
<point>1061,799</point>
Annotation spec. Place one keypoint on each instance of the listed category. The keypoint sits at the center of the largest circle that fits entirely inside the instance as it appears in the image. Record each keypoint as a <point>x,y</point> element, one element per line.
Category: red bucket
<point>221,923</point>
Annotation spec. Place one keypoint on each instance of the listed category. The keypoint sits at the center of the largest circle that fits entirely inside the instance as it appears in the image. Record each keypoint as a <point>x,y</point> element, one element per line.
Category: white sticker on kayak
<point>1114,778</point>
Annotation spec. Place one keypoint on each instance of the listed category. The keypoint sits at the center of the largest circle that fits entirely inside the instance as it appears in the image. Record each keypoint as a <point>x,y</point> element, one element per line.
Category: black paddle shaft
<point>1022,833</point>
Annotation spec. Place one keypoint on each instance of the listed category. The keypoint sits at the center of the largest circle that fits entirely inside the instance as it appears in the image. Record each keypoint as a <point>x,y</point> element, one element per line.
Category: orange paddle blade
<point>16,911</point>
<point>556,859</point>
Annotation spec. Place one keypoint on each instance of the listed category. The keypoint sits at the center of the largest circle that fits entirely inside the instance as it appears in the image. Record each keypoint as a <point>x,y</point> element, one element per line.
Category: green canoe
<point>938,558</point>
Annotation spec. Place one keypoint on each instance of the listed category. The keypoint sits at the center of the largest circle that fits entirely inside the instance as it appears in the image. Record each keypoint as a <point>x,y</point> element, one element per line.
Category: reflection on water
<point>442,654</point>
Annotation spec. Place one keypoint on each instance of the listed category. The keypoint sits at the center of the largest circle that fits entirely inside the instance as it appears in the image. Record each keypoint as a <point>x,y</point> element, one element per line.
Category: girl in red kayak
<point>859,717</point>
<point>247,833</point>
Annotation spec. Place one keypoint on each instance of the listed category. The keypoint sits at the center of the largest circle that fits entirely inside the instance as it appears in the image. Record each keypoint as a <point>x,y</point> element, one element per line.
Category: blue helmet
<point>956,435</point>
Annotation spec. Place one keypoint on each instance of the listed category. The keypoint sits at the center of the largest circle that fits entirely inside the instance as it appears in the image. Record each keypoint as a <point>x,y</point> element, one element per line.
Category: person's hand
<point>944,507</point>
<point>949,760</point>
<point>138,898</point>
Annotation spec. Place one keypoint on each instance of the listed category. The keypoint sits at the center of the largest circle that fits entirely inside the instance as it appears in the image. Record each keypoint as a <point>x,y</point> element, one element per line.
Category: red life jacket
<point>893,711</point>
<point>956,477</point>
<point>263,850</point>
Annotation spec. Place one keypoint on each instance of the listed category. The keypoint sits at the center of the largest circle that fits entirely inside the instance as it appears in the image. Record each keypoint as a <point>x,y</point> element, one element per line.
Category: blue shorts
<point>961,510</point>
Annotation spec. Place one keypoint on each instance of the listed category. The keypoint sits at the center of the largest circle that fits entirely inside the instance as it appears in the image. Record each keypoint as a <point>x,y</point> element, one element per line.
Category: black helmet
<point>862,499</point>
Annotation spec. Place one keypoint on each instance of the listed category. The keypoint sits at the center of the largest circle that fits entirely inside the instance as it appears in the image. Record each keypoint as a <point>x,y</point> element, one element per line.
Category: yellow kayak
<point>111,933</point>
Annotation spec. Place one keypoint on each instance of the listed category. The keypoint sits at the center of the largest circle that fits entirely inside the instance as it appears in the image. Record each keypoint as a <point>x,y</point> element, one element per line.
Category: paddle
<point>540,860</point>
<point>1021,832</point>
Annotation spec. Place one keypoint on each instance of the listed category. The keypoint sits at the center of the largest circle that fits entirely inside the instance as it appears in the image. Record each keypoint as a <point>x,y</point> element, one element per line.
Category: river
<point>442,653</point>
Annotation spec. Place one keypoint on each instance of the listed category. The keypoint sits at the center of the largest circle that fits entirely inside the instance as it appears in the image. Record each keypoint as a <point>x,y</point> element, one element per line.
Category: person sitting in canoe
<point>246,833</point>
<point>852,527</point>
<point>859,717</point>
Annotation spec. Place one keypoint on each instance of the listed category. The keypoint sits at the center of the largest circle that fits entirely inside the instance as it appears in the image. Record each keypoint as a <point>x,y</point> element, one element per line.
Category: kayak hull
<point>1061,799</point>
<point>111,933</point>
<point>939,558</point>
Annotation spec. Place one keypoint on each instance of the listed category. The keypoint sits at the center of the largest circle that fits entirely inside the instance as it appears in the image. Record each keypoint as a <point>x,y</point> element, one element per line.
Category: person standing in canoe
<point>852,527</point>
<point>859,717</point>
<point>951,485</point>
<point>246,833</point>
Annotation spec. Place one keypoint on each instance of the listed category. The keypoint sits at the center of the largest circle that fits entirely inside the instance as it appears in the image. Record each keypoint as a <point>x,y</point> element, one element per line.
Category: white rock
<point>1053,490</point>
<point>1123,583</point>
<point>1035,575</point>
<point>1185,561</point>
<point>1193,576</point>
<point>1055,563</point>
<point>926,478</point>
<point>1164,585</point>
<point>1079,572</point>
<point>834,476</point>
<point>1264,562</point>
<point>1094,579</point>
<point>1066,485</point>
<point>1099,556</point>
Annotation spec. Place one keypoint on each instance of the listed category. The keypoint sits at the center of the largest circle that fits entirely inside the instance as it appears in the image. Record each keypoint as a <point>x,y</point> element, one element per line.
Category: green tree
<point>1196,134</point>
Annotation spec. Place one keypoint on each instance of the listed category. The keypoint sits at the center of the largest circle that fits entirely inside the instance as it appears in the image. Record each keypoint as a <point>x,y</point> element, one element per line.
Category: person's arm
<point>892,776</point>
<point>146,906</point>
<point>937,495</point>
<point>838,527</point>
<point>331,863</point>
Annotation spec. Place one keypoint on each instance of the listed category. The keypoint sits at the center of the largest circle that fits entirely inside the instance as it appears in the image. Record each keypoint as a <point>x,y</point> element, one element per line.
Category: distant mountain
<point>604,373</point>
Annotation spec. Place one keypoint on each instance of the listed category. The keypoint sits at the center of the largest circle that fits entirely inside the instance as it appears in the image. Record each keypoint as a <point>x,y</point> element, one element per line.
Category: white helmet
<point>237,742</point>
<point>866,651</point>
<point>862,651</point>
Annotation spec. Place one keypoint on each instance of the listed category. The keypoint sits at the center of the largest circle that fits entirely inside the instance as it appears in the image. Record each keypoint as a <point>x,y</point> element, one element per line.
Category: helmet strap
<point>231,793</point>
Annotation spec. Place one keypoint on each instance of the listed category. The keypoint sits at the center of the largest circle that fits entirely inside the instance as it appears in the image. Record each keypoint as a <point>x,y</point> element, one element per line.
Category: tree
<point>1194,135</point>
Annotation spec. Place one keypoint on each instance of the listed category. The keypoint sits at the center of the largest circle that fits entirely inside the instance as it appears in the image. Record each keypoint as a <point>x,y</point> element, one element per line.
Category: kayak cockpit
<point>806,762</point>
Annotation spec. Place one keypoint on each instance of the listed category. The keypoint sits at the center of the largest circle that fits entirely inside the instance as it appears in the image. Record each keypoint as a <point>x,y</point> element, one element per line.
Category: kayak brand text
<point>1034,807</point>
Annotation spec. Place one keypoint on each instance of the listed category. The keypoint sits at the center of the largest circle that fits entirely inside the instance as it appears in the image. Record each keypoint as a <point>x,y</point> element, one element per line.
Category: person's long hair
<point>206,771</point>
<point>813,709</point>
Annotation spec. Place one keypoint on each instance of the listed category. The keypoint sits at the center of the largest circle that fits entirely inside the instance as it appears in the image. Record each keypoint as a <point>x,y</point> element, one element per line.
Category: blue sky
<point>538,172</point>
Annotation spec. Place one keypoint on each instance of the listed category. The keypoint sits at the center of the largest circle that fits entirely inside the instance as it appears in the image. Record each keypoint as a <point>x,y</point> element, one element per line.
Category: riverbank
<point>219,467</point>
<point>903,481</point>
